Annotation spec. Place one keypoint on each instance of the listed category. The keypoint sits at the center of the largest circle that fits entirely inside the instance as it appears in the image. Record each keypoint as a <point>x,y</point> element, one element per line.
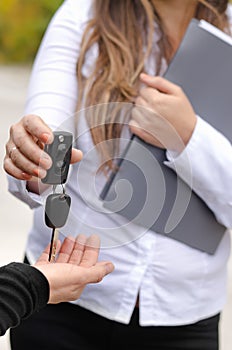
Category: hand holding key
<point>25,158</point>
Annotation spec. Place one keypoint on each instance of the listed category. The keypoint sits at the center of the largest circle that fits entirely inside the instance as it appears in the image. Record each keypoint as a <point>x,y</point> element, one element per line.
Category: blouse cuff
<point>183,163</point>
<point>202,169</point>
<point>19,190</point>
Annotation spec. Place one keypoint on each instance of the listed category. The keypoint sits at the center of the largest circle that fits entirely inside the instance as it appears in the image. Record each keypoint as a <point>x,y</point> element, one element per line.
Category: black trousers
<point>69,327</point>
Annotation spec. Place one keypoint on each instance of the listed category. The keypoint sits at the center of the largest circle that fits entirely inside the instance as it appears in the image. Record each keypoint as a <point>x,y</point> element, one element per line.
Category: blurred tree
<point>22,25</point>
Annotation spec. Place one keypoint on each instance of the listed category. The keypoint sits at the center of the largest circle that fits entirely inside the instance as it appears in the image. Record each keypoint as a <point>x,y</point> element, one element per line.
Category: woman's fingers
<point>12,170</point>
<point>35,126</point>
<point>17,161</point>
<point>161,84</point>
<point>30,149</point>
<point>22,165</point>
<point>76,156</point>
<point>24,150</point>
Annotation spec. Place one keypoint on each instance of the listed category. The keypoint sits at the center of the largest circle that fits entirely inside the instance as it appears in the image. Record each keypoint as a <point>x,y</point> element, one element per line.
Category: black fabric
<point>26,261</point>
<point>23,290</point>
<point>67,326</point>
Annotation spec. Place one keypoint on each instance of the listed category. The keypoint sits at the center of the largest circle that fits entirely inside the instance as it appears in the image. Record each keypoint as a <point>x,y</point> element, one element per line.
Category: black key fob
<point>60,152</point>
<point>57,209</point>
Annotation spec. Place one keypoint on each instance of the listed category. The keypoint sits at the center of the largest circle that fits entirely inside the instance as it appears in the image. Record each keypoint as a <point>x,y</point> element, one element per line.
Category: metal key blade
<point>53,246</point>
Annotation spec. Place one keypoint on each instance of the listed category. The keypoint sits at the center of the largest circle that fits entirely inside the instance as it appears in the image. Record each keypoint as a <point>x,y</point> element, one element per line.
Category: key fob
<point>60,152</point>
<point>57,209</point>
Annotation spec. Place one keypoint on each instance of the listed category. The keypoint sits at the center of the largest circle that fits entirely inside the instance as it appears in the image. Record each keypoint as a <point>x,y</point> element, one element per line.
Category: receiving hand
<point>75,267</point>
<point>163,115</point>
<point>25,157</point>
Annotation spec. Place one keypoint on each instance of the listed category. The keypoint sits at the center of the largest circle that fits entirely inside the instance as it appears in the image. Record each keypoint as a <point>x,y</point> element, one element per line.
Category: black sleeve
<point>23,290</point>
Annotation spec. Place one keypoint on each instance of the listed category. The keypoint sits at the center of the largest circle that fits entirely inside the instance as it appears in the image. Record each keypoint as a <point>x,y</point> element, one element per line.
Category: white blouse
<point>176,284</point>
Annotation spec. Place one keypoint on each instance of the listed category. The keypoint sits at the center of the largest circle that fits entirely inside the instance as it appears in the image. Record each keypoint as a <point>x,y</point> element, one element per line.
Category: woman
<point>163,294</point>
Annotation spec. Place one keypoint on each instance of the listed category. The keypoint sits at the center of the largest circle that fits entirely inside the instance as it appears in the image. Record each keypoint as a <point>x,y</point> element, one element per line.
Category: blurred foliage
<point>22,25</point>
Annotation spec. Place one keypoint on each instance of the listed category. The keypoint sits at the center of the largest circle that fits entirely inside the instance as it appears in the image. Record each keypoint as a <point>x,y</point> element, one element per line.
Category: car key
<point>56,214</point>
<point>53,245</point>
<point>57,204</point>
<point>60,152</point>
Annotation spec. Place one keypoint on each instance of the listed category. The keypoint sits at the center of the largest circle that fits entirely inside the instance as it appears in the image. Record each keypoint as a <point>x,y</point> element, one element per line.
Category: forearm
<point>206,166</point>
<point>36,187</point>
<point>23,291</point>
<point>52,92</point>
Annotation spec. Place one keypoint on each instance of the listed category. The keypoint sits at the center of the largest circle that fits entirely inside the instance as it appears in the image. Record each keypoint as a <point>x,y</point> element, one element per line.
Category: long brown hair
<point>123,31</point>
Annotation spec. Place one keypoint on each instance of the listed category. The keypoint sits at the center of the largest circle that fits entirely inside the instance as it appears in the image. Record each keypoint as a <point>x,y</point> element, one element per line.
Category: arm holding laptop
<point>172,124</point>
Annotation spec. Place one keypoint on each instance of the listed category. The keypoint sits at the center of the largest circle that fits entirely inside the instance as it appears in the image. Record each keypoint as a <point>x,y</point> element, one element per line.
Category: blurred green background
<point>22,24</point>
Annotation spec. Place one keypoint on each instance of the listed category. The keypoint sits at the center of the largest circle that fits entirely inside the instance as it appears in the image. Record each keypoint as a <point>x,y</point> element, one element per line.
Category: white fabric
<point>177,284</point>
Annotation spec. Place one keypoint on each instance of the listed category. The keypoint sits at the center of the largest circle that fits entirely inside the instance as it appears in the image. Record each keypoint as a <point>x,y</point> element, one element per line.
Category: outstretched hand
<point>76,266</point>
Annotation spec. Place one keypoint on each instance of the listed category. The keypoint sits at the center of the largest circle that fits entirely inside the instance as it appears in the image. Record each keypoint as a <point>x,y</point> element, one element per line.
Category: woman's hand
<point>163,115</point>
<point>25,157</point>
<point>75,267</point>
